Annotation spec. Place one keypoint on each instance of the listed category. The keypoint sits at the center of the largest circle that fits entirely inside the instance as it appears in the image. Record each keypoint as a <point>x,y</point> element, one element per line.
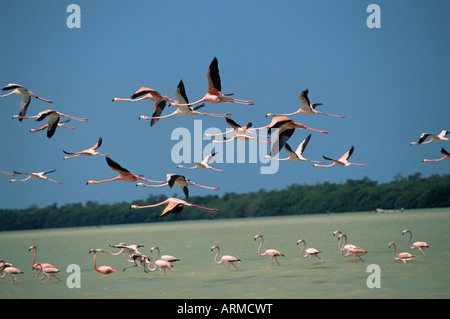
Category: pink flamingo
<point>146,93</point>
<point>434,138</point>
<point>168,258</point>
<point>214,94</point>
<point>240,133</point>
<point>343,161</point>
<point>444,152</point>
<point>87,152</point>
<point>272,253</point>
<point>38,175</point>
<point>175,206</point>
<point>225,258</point>
<point>298,154</point>
<point>309,252</point>
<point>204,164</point>
<point>5,269</point>
<point>420,245</point>
<point>105,270</point>
<point>183,108</point>
<point>60,124</point>
<point>124,174</point>
<point>160,264</point>
<point>306,107</point>
<point>404,257</point>
<point>50,272</point>
<point>26,97</point>
<point>39,266</point>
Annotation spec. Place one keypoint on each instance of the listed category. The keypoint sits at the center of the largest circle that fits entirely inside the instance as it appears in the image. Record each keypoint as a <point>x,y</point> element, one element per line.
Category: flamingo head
<point>32,247</point>
<point>257,236</point>
<point>300,241</point>
<point>391,243</point>
<point>270,115</point>
<point>116,99</point>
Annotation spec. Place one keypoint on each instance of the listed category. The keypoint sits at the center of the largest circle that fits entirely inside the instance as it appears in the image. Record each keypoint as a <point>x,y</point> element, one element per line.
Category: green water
<point>197,276</point>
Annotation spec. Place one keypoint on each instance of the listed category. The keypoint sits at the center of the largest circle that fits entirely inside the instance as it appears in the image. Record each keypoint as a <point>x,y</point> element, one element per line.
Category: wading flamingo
<point>420,245</point>
<point>298,154</point>
<point>169,258</point>
<point>105,270</point>
<point>146,93</point>
<point>124,174</point>
<point>272,253</point>
<point>26,97</point>
<point>286,128</point>
<point>306,107</point>
<point>405,257</point>
<point>175,206</point>
<point>87,152</point>
<point>225,258</point>
<point>214,94</point>
<point>160,264</point>
<point>50,272</point>
<point>9,270</point>
<point>53,119</point>
<point>204,164</point>
<point>183,108</point>
<point>343,161</point>
<point>178,180</point>
<point>441,137</point>
<point>357,253</point>
<point>309,252</point>
<point>444,152</point>
<point>345,247</point>
<point>39,175</point>
<point>60,124</point>
<point>41,265</point>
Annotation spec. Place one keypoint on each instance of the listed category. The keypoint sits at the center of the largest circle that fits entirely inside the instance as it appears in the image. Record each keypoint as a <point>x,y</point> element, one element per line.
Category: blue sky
<point>391,82</point>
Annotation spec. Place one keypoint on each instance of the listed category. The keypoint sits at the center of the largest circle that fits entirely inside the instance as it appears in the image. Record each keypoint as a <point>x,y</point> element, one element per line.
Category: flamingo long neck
<point>95,259</point>
<point>343,245</point>
<point>410,236</point>
<point>260,245</point>
<point>303,249</point>
<point>34,256</point>
<point>217,255</point>
<point>150,264</point>
<point>395,248</point>
<point>157,253</point>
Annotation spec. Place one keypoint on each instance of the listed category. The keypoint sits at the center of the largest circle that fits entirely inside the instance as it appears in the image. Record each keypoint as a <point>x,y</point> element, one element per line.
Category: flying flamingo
<point>420,245</point>
<point>105,270</point>
<point>168,258</point>
<point>175,206</point>
<point>13,271</point>
<point>214,94</point>
<point>50,272</point>
<point>204,164</point>
<point>343,161</point>
<point>41,265</point>
<point>405,257</point>
<point>147,93</point>
<point>53,119</point>
<point>309,252</point>
<point>272,253</point>
<point>225,258</point>
<point>60,124</point>
<point>38,175</point>
<point>306,107</point>
<point>286,128</point>
<point>88,152</point>
<point>178,180</point>
<point>183,108</point>
<point>26,97</point>
<point>298,154</point>
<point>444,152</point>
<point>160,264</point>
<point>434,138</point>
<point>124,174</point>
<point>345,247</point>
<point>240,133</point>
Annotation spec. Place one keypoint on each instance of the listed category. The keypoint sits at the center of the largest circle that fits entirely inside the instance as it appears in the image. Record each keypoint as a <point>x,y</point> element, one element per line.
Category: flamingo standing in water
<point>150,94</point>
<point>168,258</point>
<point>175,206</point>
<point>405,257</point>
<point>41,265</point>
<point>298,154</point>
<point>214,94</point>
<point>53,119</point>
<point>183,108</point>
<point>160,264</point>
<point>441,137</point>
<point>124,174</point>
<point>60,124</point>
<point>50,272</point>
<point>178,180</point>
<point>7,268</point>
<point>204,164</point>
<point>87,152</point>
<point>225,258</point>
<point>444,152</point>
<point>345,246</point>
<point>286,128</point>
<point>272,253</point>
<point>420,245</point>
<point>105,270</point>
<point>343,161</point>
<point>38,175</point>
<point>309,252</point>
<point>306,107</point>
<point>26,97</point>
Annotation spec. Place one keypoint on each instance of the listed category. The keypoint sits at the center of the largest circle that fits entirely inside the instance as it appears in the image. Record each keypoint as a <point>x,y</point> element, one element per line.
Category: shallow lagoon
<point>197,276</point>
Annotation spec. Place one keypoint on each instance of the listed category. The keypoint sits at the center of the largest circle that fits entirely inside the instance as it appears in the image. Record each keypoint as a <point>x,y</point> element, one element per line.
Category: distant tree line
<point>352,196</point>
